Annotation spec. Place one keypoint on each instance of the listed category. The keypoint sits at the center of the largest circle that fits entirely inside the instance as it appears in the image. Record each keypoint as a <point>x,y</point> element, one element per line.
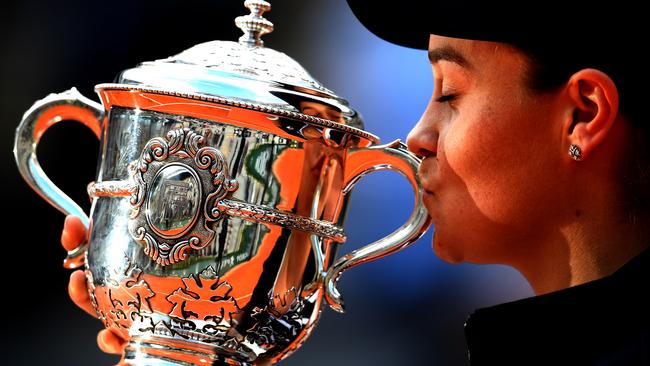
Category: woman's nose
<point>422,140</point>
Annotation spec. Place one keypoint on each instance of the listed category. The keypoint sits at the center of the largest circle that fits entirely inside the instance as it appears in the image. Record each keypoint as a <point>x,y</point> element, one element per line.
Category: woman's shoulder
<point>602,321</point>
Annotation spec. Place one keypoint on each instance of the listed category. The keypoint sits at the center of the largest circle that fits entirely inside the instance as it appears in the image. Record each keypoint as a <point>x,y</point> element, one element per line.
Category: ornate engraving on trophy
<point>204,307</point>
<point>127,295</point>
<point>273,329</point>
<point>172,177</point>
<point>254,212</point>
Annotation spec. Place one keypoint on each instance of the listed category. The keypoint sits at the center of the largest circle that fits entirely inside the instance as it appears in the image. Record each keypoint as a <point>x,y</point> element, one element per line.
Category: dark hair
<point>546,73</point>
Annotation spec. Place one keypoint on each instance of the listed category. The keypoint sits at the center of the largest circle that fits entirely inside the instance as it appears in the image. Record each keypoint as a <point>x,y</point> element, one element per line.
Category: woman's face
<point>493,151</point>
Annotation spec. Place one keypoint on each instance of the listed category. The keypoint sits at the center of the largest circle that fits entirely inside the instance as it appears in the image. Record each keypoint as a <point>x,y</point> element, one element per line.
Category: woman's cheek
<point>476,159</point>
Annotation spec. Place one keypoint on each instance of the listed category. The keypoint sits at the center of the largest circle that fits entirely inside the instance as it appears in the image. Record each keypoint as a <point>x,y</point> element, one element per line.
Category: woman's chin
<point>445,252</point>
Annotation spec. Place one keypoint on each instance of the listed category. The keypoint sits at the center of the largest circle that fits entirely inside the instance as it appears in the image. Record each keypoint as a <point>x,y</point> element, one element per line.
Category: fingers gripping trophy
<point>218,207</point>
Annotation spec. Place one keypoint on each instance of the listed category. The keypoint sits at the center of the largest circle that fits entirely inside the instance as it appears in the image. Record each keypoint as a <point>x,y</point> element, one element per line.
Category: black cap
<point>609,36</point>
<point>522,23</point>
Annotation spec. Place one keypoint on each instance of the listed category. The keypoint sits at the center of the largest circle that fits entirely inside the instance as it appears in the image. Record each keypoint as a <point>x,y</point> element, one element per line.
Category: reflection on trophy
<point>179,198</point>
<point>218,207</point>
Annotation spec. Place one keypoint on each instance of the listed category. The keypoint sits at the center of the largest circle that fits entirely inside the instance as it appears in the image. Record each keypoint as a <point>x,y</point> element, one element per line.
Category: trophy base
<point>161,351</point>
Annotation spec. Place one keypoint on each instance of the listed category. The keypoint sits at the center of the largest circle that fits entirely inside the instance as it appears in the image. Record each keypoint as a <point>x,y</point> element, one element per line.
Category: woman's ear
<point>593,102</point>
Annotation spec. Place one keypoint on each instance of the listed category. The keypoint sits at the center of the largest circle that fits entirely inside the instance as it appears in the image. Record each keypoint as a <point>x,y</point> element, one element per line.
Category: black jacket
<point>603,322</point>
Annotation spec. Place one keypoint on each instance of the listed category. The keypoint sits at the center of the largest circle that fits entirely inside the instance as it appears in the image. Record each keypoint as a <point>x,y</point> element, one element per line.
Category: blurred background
<point>408,308</point>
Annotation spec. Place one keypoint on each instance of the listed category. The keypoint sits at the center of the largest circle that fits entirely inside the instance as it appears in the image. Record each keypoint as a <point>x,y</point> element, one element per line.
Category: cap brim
<point>410,23</point>
<point>392,24</point>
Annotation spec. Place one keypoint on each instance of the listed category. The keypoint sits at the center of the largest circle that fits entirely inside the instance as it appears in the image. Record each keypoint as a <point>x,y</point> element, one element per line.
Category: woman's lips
<point>429,201</point>
<point>427,167</point>
<point>427,185</point>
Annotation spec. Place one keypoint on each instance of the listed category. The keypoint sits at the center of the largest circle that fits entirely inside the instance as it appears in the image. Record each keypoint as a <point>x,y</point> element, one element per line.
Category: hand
<point>74,234</point>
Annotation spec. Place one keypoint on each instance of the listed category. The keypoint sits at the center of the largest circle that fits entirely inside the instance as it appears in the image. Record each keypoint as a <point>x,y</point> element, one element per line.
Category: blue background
<point>408,308</point>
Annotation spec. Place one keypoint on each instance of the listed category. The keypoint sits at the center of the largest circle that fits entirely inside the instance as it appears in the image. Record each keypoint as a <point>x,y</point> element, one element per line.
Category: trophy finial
<point>254,25</point>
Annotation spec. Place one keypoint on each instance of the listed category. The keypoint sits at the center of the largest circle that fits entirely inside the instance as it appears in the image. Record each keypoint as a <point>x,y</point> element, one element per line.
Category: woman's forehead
<point>472,55</point>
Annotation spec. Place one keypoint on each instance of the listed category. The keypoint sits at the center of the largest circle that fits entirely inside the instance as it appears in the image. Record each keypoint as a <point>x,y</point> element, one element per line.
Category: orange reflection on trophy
<point>321,174</point>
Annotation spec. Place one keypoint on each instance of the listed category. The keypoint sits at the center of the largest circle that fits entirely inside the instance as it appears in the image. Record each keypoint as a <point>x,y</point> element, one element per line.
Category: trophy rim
<point>245,104</point>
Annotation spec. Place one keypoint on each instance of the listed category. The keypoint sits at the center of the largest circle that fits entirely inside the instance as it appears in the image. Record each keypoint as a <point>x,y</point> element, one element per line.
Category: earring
<point>575,152</point>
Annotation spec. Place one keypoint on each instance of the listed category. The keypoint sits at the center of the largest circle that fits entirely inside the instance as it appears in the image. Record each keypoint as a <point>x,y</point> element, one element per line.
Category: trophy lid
<point>247,74</point>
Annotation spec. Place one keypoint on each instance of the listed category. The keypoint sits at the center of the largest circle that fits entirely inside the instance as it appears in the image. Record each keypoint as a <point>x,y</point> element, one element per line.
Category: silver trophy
<point>217,211</point>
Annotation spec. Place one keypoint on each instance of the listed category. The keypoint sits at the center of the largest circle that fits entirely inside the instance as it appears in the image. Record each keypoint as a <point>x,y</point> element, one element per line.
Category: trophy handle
<point>361,162</point>
<point>69,105</point>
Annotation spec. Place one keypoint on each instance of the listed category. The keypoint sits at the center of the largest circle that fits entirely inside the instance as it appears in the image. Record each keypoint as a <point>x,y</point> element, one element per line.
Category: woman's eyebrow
<point>447,53</point>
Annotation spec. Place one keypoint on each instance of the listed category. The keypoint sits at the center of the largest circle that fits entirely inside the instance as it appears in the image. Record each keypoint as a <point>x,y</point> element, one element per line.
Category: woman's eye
<point>446,98</point>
